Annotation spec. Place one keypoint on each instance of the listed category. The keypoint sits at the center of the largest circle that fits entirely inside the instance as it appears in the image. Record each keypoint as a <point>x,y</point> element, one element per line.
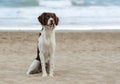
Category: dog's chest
<point>46,45</point>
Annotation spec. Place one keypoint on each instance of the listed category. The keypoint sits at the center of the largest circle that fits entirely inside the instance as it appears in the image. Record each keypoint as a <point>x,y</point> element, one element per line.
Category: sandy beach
<point>81,58</point>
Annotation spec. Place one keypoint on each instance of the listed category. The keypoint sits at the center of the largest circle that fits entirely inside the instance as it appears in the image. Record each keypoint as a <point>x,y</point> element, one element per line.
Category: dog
<point>44,62</point>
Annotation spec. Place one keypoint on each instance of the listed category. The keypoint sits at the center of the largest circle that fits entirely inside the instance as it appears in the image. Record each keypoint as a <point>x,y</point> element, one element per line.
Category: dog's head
<point>48,19</point>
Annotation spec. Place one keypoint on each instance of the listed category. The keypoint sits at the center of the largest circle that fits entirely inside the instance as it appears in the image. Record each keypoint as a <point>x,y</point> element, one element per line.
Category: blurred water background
<point>17,13</point>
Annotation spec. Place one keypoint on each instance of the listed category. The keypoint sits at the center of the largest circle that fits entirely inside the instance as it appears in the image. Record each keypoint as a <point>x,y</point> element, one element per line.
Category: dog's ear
<point>41,18</point>
<point>56,19</point>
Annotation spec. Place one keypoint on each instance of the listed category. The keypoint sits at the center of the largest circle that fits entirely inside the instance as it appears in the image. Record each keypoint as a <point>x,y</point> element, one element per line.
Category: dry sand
<point>81,58</point>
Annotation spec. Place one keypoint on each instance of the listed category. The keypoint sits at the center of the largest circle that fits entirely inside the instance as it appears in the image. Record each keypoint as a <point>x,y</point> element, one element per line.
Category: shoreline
<point>62,28</point>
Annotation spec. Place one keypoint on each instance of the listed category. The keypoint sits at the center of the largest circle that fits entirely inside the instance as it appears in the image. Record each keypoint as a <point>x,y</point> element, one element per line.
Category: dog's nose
<point>51,21</point>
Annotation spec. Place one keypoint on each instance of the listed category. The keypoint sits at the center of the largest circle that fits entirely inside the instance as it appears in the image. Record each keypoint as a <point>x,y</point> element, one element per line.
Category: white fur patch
<point>33,67</point>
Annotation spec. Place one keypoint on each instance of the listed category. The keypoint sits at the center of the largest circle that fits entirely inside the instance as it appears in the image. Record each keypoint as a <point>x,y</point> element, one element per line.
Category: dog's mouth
<point>51,25</point>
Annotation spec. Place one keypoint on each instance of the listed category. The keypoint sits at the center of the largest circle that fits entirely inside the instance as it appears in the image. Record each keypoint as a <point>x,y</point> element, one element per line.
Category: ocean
<point>24,13</point>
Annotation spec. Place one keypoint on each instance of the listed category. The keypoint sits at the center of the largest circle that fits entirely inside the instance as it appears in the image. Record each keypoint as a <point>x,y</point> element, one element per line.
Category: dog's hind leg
<point>35,67</point>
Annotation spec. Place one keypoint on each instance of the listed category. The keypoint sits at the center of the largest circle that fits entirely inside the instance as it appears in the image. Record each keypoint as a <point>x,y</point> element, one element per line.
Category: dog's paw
<point>28,73</point>
<point>44,75</point>
<point>51,75</point>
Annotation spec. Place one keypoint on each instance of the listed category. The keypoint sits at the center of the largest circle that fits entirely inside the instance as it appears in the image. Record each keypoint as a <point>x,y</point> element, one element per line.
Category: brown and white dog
<point>46,46</point>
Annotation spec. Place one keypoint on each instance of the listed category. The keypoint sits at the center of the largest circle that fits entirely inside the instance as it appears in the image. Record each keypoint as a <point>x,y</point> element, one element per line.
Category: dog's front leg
<point>44,73</point>
<point>51,64</point>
